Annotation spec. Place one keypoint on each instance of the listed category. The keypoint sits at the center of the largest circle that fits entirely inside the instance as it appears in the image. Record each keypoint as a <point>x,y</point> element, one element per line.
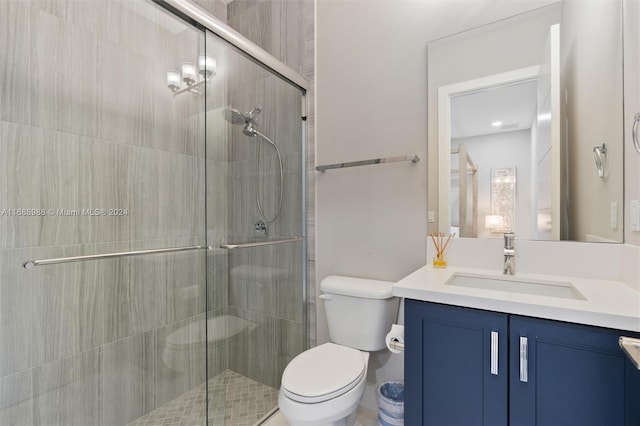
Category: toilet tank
<point>359,311</point>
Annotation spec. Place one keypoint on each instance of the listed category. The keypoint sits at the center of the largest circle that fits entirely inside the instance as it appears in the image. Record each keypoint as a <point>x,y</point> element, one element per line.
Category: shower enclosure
<point>152,249</point>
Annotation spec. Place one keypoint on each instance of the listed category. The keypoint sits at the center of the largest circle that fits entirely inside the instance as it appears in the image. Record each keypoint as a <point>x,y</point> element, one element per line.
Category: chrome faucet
<point>509,253</point>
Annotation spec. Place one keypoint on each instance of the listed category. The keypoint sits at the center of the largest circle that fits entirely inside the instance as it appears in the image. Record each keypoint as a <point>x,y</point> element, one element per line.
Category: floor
<point>235,400</point>
<point>365,418</point>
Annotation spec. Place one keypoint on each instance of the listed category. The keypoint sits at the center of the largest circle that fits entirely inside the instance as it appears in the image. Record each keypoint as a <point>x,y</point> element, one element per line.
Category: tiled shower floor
<point>235,400</point>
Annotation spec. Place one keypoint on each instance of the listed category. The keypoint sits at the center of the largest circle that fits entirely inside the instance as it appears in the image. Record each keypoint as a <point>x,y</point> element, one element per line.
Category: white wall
<point>631,107</point>
<point>591,108</point>
<point>489,152</point>
<point>371,76</point>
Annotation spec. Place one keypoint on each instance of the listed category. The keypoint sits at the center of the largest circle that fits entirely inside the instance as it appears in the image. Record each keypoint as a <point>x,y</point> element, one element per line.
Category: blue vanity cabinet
<point>450,379</point>
<point>569,374</point>
<point>550,373</point>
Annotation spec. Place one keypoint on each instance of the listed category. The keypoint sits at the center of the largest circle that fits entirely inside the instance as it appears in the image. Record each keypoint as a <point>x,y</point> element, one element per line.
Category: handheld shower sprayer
<point>248,119</point>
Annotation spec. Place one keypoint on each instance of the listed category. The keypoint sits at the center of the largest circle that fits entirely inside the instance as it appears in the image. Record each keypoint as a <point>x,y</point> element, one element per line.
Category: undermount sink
<point>514,284</point>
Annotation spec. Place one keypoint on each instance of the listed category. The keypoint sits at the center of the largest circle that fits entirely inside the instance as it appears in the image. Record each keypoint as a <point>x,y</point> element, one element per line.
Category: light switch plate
<point>614,215</point>
<point>431,217</point>
<point>635,215</point>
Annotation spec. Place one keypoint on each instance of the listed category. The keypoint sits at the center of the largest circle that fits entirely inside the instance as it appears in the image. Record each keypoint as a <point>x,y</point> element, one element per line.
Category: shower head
<point>234,116</point>
<point>249,130</point>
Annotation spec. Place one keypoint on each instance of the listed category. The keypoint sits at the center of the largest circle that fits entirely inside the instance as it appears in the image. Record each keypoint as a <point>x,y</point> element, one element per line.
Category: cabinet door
<point>456,366</point>
<point>568,374</point>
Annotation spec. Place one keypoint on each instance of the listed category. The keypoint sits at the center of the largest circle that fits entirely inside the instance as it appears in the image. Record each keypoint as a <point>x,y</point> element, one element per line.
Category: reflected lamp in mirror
<point>494,222</point>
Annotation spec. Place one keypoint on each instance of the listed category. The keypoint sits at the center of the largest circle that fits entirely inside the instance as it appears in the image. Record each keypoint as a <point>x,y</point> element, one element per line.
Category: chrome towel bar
<point>33,263</point>
<point>412,158</point>
<point>260,243</point>
<point>42,262</point>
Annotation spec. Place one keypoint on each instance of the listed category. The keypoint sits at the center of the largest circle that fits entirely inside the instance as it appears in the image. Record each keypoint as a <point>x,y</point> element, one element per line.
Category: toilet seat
<point>323,373</point>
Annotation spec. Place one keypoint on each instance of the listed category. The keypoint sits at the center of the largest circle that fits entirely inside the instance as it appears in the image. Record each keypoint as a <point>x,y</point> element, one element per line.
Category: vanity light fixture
<point>173,80</point>
<point>188,73</point>
<point>206,70</point>
<point>206,66</point>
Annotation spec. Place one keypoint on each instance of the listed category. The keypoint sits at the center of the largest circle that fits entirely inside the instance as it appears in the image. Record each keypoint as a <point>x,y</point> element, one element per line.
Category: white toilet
<point>324,385</point>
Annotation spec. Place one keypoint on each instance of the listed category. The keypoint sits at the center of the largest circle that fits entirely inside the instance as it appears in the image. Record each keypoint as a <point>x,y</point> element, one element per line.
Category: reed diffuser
<point>439,261</point>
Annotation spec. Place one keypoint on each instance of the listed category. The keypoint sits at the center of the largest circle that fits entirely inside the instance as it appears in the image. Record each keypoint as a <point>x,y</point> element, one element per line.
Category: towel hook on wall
<point>599,154</point>
<point>636,120</point>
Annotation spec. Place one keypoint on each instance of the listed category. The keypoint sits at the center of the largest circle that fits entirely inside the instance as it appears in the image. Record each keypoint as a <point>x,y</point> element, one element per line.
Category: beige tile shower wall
<point>86,121</point>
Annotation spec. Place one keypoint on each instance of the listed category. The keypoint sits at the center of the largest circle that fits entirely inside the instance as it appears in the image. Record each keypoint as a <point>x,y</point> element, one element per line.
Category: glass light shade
<point>188,73</point>
<point>206,65</point>
<point>493,221</point>
<point>173,80</point>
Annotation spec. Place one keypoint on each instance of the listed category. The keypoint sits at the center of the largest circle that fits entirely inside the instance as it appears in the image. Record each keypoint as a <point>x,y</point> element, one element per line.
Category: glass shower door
<point>98,155</point>
<point>255,227</point>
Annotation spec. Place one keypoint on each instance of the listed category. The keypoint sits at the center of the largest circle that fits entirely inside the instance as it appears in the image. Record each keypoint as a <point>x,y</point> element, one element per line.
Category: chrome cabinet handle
<point>494,353</point>
<point>636,120</point>
<point>524,359</point>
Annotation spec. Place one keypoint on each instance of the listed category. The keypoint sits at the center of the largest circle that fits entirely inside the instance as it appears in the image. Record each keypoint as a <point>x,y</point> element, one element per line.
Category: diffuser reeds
<point>441,245</point>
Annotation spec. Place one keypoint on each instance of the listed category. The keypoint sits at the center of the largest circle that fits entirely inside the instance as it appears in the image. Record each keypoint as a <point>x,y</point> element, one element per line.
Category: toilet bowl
<point>324,385</point>
<point>182,343</point>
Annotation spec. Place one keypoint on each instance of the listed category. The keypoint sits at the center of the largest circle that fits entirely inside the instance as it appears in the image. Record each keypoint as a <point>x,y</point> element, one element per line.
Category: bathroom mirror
<point>525,126</point>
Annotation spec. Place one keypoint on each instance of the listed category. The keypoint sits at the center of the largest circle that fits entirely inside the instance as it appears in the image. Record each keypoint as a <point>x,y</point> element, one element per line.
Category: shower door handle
<point>232,246</point>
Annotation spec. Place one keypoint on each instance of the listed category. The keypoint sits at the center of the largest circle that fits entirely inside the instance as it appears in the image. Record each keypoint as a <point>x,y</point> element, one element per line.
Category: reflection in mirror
<point>526,119</point>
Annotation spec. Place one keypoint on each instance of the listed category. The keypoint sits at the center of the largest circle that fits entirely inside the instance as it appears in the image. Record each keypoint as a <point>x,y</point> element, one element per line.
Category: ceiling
<point>513,105</point>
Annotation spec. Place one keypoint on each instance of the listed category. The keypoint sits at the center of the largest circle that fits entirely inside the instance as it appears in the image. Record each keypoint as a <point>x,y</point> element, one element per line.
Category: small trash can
<point>391,404</point>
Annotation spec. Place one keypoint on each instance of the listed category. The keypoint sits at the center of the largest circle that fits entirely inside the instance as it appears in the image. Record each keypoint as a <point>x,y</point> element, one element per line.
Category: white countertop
<point>609,304</point>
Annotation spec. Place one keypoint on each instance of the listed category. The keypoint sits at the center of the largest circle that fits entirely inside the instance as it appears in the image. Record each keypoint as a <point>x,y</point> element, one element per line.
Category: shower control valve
<point>261,228</point>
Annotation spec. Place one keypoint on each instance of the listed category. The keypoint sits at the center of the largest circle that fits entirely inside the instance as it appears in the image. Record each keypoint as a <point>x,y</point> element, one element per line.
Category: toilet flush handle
<point>325,296</point>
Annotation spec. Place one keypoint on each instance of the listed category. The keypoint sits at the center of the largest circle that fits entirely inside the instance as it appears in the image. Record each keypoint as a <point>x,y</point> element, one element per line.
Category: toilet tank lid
<point>356,287</point>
